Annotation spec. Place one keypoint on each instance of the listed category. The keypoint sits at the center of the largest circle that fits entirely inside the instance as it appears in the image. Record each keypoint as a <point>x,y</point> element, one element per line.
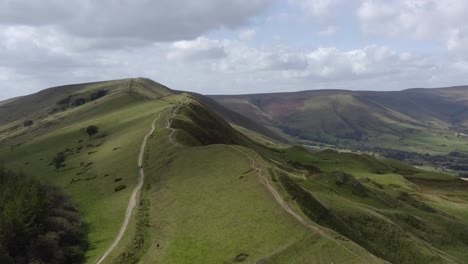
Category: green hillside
<point>217,193</point>
<point>415,120</point>
<point>94,166</point>
<point>395,211</point>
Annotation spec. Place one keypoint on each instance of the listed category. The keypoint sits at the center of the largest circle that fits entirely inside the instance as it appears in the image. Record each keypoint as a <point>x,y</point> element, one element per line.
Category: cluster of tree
<point>454,160</point>
<point>77,100</point>
<point>38,223</point>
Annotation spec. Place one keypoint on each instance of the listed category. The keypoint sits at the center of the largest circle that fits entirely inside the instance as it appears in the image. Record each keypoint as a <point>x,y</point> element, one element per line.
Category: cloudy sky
<point>234,46</point>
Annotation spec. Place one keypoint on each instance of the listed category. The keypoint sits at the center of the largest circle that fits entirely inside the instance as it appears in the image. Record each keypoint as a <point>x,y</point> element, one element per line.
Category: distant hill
<point>422,120</point>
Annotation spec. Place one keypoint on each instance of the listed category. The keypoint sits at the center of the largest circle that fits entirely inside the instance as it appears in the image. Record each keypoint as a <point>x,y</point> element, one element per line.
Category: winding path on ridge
<point>169,122</point>
<point>133,198</point>
<point>288,209</point>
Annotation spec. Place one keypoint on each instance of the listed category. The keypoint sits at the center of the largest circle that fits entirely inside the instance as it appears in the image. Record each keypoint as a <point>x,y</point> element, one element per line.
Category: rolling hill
<point>221,191</point>
<point>416,120</point>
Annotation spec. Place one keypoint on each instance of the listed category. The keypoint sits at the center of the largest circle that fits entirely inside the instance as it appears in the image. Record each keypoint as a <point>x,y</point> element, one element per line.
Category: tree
<point>58,160</point>
<point>38,223</point>
<point>92,130</point>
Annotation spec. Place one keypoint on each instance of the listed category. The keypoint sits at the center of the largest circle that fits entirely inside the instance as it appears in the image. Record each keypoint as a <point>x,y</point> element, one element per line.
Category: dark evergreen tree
<point>38,223</point>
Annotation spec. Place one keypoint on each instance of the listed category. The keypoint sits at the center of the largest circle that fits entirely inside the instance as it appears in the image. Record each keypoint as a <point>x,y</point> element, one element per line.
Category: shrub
<point>58,160</point>
<point>92,130</point>
<point>28,123</point>
<point>98,94</point>
<point>79,101</point>
<point>64,101</point>
<point>119,188</point>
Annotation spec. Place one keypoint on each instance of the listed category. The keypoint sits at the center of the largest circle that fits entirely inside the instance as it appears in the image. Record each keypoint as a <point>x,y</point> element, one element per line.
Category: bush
<point>64,101</point>
<point>98,94</point>
<point>79,101</point>
<point>92,130</point>
<point>119,188</point>
<point>28,123</point>
<point>58,160</point>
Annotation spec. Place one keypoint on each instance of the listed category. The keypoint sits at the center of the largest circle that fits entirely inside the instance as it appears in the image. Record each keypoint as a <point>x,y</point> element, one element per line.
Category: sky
<point>234,46</point>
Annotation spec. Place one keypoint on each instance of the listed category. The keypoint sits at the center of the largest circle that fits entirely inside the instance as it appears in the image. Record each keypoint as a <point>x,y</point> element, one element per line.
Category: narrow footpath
<point>288,209</point>
<point>133,198</point>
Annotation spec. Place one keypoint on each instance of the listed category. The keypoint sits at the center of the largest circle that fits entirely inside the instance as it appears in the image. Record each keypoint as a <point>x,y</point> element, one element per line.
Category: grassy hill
<point>236,118</point>
<point>395,211</point>
<point>215,193</point>
<point>202,200</point>
<point>94,166</point>
<point>415,120</point>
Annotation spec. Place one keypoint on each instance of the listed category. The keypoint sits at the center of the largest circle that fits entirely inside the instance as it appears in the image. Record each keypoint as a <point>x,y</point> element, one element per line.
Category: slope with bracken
<point>421,120</point>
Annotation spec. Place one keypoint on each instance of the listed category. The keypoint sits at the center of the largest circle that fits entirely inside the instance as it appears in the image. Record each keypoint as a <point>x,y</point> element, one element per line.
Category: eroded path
<point>169,122</point>
<point>133,198</point>
<point>288,209</point>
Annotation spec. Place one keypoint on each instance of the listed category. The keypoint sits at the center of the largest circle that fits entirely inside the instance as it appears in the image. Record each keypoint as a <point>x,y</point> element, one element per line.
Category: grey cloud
<point>163,20</point>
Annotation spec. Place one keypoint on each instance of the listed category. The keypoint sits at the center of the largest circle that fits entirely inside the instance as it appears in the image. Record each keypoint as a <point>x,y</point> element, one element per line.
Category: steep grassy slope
<point>421,120</point>
<point>213,200</point>
<point>238,119</point>
<point>395,211</point>
<point>208,204</point>
<point>94,166</point>
<point>198,125</point>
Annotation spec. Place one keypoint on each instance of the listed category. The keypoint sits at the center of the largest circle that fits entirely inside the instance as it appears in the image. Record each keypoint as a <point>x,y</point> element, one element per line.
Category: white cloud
<point>27,47</point>
<point>369,62</point>
<point>457,43</point>
<point>243,58</point>
<point>444,21</point>
<point>317,8</point>
<point>321,64</point>
<point>461,66</point>
<point>247,35</point>
<point>197,50</point>
<point>328,31</point>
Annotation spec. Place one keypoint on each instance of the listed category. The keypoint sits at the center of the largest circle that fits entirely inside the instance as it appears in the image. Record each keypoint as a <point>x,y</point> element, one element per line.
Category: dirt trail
<point>288,209</point>
<point>169,122</point>
<point>133,197</point>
